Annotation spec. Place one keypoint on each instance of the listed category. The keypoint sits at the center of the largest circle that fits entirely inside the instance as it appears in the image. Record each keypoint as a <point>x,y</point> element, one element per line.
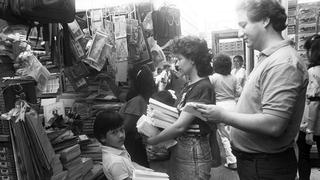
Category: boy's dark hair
<point>258,10</point>
<point>239,58</point>
<point>106,121</point>
<point>312,45</point>
<point>222,64</point>
<point>164,97</point>
<point>195,49</point>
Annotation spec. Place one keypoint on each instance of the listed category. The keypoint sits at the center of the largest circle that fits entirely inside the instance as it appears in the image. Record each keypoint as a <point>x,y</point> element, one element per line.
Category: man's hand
<point>213,113</point>
<point>309,138</point>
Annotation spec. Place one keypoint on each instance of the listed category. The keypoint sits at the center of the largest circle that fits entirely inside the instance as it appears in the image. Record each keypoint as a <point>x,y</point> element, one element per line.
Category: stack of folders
<point>149,175</point>
<point>162,115</point>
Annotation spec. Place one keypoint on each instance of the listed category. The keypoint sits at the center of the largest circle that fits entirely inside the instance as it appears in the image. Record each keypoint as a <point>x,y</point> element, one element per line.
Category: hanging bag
<point>44,11</point>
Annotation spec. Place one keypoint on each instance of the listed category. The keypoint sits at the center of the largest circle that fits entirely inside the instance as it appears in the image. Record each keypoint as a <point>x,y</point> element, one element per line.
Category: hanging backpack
<point>44,11</point>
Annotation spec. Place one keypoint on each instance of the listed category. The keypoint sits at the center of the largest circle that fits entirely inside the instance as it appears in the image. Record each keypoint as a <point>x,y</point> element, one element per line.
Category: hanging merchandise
<point>109,30</point>
<point>120,26</point>
<point>96,20</point>
<point>76,75</point>
<point>45,11</point>
<point>132,31</point>
<point>121,71</point>
<point>99,40</point>
<point>27,64</point>
<point>98,52</point>
<point>75,30</point>
<point>166,24</point>
<point>122,49</point>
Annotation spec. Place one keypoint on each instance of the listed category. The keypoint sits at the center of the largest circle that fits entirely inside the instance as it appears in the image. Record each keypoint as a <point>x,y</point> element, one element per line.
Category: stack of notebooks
<point>71,160</point>
<point>149,175</point>
<point>162,115</point>
<point>92,150</point>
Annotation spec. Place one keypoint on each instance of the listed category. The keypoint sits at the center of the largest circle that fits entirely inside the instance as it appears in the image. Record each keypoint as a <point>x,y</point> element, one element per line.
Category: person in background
<point>109,131</point>
<point>310,126</point>
<point>164,78</point>
<point>191,158</point>
<point>226,91</point>
<point>271,105</point>
<point>239,72</point>
<point>142,88</point>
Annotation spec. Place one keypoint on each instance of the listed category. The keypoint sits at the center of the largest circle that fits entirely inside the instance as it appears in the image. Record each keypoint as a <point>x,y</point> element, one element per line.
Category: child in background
<point>109,131</point>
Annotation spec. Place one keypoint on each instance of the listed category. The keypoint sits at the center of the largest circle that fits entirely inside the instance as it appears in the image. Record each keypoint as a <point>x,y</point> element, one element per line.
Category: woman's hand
<point>151,141</point>
<point>212,113</point>
<point>309,138</point>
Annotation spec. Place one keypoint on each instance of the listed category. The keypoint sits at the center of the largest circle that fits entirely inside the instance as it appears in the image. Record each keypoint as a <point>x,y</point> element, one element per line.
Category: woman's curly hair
<point>195,49</point>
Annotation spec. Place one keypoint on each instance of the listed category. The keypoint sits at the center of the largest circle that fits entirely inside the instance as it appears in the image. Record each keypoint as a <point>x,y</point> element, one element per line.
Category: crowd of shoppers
<point>258,131</point>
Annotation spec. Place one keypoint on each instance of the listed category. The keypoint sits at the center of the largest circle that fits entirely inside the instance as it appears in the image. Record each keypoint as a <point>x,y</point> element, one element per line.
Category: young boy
<point>109,131</point>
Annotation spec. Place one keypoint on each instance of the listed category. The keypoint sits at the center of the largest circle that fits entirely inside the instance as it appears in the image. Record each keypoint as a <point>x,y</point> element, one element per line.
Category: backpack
<point>44,11</point>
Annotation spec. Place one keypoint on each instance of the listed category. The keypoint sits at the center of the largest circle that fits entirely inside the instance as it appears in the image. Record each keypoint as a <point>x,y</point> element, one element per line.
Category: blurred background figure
<point>239,72</point>
<point>310,125</point>
<point>226,90</point>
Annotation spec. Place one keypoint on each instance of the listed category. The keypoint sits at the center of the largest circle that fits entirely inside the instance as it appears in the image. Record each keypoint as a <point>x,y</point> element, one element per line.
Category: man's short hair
<point>258,10</point>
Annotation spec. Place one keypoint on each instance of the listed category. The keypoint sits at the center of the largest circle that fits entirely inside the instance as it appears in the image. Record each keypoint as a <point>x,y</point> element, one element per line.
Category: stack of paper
<point>144,126</point>
<point>161,114</point>
<point>149,175</point>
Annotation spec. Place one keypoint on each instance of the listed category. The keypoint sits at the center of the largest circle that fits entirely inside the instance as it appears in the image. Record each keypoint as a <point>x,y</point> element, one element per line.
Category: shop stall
<point>58,68</point>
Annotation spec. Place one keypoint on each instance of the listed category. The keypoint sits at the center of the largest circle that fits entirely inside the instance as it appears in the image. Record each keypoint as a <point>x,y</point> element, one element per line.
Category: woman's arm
<point>313,108</point>
<point>139,167</point>
<point>179,127</point>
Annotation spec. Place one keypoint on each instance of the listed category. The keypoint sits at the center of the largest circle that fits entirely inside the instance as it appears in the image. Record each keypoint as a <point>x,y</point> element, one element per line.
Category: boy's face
<point>115,138</point>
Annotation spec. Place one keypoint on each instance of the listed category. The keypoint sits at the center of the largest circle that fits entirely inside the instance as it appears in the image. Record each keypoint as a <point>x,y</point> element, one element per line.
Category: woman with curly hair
<point>191,158</point>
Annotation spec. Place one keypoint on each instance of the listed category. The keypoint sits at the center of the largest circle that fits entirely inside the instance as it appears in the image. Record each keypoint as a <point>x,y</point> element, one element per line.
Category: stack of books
<point>87,165</point>
<point>161,115</point>
<point>149,175</point>
<point>94,173</point>
<point>71,160</point>
<point>92,150</point>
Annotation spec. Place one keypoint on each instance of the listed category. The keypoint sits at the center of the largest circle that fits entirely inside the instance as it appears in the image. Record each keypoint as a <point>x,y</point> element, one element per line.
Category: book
<point>149,175</point>
<point>74,162</point>
<point>60,176</point>
<point>154,104</point>
<point>190,107</point>
<point>144,126</point>
<point>87,165</point>
<point>69,153</point>
<point>162,116</point>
